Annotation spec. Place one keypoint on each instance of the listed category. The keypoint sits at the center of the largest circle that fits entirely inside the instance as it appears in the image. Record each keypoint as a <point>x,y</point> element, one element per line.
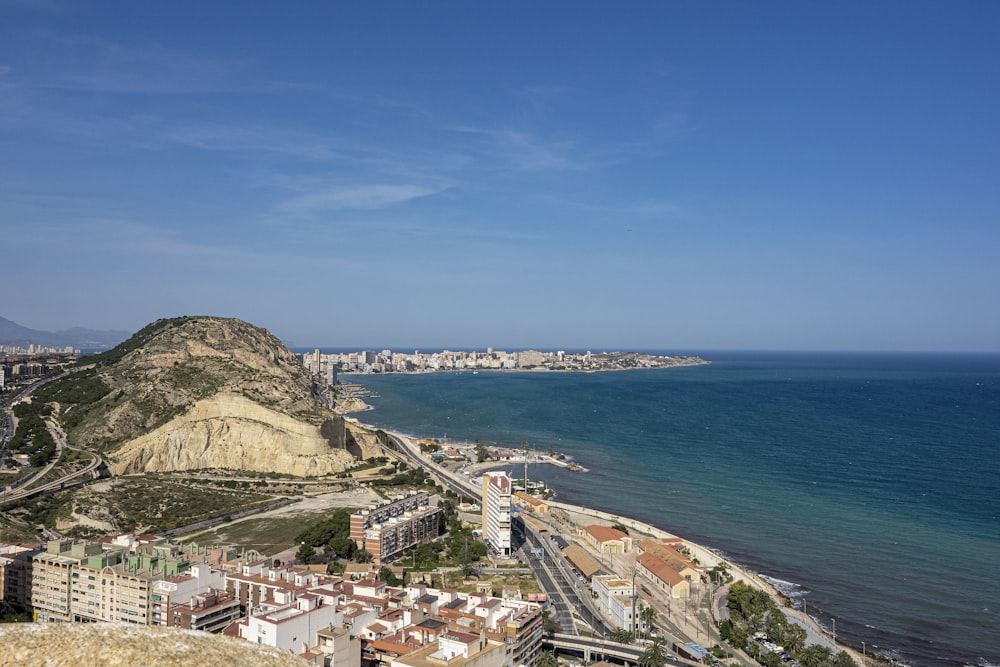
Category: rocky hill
<point>204,392</point>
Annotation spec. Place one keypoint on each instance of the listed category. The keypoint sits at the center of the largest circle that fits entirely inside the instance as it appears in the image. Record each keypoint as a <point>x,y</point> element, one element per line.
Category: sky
<point>560,175</point>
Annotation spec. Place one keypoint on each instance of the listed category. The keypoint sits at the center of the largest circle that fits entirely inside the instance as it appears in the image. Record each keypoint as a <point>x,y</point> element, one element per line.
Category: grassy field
<point>269,535</point>
<point>136,504</point>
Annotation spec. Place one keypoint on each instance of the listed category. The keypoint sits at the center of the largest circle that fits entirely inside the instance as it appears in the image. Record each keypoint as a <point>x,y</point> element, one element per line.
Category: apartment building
<point>457,649</point>
<point>196,600</point>
<point>388,530</point>
<point>51,578</point>
<point>82,581</point>
<point>15,574</point>
<point>496,513</point>
<point>256,584</point>
<point>291,627</point>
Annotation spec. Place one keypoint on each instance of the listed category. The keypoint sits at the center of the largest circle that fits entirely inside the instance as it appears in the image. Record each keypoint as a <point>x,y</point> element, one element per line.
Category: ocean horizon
<point>864,485</point>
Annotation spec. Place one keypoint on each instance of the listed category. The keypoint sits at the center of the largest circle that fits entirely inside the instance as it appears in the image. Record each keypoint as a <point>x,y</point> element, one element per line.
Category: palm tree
<point>648,616</point>
<point>654,655</point>
<point>621,636</point>
<point>546,659</point>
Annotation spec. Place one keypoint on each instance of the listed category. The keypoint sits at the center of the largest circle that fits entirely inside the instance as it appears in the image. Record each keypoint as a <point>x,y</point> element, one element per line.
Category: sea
<point>866,487</point>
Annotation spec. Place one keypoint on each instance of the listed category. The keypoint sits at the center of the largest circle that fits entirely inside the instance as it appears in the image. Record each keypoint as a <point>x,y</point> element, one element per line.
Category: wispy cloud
<point>524,150</point>
<point>88,63</point>
<point>372,196</point>
<point>230,137</point>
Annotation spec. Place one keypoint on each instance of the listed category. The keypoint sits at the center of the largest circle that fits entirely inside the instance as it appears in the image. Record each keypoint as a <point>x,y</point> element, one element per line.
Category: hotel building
<point>496,512</point>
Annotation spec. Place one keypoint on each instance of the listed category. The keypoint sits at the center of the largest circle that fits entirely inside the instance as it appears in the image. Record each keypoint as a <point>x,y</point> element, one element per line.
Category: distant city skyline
<point>664,176</point>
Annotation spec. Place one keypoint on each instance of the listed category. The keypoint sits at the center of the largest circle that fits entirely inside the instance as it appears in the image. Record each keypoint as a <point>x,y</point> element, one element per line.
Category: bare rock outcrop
<point>231,432</point>
<point>206,392</point>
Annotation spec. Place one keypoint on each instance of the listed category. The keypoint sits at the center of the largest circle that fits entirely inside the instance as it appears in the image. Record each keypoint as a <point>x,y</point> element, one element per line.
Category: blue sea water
<point>868,485</point>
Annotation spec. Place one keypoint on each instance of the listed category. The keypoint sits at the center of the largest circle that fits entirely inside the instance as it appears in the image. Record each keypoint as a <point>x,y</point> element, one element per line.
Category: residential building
<point>81,581</point>
<point>457,649</point>
<point>388,530</point>
<point>291,627</point>
<point>51,576</point>
<point>15,574</point>
<point>496,513</point>
<point>196,600</point>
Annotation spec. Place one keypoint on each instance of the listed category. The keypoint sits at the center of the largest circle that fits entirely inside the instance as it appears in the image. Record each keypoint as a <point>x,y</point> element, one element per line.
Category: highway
<point>30,486</point>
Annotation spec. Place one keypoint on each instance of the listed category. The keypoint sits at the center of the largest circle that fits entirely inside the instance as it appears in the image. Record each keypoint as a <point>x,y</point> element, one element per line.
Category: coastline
<point>708,557</point>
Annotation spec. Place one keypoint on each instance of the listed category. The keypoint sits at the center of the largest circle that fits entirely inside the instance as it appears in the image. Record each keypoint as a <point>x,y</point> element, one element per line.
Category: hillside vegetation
<point>202,392</point>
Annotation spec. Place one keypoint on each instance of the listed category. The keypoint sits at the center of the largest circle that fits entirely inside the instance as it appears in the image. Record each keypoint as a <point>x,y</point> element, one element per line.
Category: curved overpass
<point>594,648</point>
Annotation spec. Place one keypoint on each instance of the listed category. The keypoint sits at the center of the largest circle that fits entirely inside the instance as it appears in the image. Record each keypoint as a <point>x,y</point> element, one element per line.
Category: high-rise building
<point>387,530</point>
<point>496,512</point>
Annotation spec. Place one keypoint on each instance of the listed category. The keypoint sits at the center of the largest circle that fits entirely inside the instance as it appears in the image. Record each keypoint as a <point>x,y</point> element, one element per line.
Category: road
<point>33,486</point>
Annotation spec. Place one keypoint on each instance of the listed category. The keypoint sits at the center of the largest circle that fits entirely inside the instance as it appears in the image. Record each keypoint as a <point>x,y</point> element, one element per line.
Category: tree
<point>549,625</point>
<point>342,546</point>
<point>621,636</point>
<point>794,639</point>
<point>305,552</point>
<point>655,654</point>
<point>386,575</point>
<point>362,556</point>
<point>815,655</point>
<point>482,453</point>
<point>843,659</point>
<point>546,659</point>
<point>648,616</point>
<point>720,574</point>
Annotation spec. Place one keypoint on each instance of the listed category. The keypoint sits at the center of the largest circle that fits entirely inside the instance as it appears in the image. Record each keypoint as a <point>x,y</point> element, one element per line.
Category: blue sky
<point>725,175</point>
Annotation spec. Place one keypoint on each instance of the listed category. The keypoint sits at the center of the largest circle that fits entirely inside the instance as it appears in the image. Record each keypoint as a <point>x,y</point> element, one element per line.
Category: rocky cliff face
<point>204,392</point>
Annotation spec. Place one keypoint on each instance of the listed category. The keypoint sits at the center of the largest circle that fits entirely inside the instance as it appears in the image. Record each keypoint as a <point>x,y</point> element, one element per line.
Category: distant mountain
<point>12,333</point>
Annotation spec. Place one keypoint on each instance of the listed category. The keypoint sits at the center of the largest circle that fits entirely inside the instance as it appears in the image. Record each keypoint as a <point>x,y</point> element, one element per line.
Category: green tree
<point>305,552</point>
<point>794,639</point>
<point>482,453</point>
<point>546,659</point>
<point>621,636</point>
<point>655,654</point>
<point>550,626</point>
<point>815,655</point>
<point>843,659</point>
<point>648,616</point>
<point>386,575</point>
<point>620,526</point>
<point>342,546</point>
<point>362,556</point>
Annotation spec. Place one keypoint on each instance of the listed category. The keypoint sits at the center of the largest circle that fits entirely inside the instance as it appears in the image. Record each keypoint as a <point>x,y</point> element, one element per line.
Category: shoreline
<point>707,556</point>
<point>684,363</point>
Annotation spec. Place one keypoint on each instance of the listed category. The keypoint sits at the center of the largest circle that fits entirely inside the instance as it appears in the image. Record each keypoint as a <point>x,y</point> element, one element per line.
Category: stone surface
<point>205,392</point>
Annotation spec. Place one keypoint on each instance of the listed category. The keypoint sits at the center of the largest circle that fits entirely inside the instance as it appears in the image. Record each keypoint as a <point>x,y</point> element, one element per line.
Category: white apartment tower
<point>496,512</point>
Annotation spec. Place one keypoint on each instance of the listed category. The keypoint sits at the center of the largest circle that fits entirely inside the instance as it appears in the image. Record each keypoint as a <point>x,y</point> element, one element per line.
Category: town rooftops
<point>660,569</point>
<point>605,533</point>
<point>581,560</point>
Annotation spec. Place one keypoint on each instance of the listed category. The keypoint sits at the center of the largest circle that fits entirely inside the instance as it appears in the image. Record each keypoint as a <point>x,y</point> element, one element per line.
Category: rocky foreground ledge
<point>120,645</point>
